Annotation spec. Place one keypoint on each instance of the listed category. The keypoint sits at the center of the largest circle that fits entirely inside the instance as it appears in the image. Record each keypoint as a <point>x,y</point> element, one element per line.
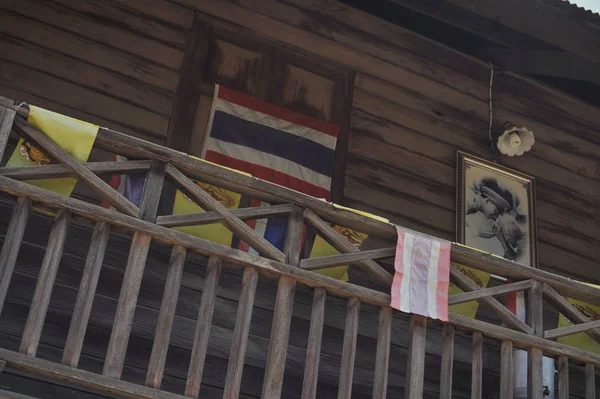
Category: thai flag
<point>130,186</point>
<point>273,144</point>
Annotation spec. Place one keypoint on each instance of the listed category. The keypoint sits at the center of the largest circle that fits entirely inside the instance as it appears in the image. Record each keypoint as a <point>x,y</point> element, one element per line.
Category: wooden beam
<point>282,315</point>
<point>238,227</point>
<point>535,371</point>
<point>313,350</point>
<point>164,325</point>
<point>2,365</point>
<point>7,117</point>
<point>447,365</point>
<point>340,243</point>
<point>501,289</point>
<point>45,282</point>
<point>382,358</point>
<point>13,395</point>
<point>12,244</point>
<point>349,348</point>
<point>563,377</point>
<point>415,363</point>
<point>80,378</point>
<point>590,381</point>
<point>569,330</point>
<point>195,219</point>
<point>240,334</point>
<point>53,171</point>
<point>477,366</point>
<point>466,284</point>
<point>130,288</point>
<point>346,259</point>
<point>203,324</point>
<point>507,373</point>
<point>153,186</point>
<point>570,311</point>
<point>85,295</point>
<point>96,184</point>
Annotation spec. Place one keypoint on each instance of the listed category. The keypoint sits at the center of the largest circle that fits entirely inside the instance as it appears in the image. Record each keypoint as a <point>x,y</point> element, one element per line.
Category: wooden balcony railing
<point>289,267</point>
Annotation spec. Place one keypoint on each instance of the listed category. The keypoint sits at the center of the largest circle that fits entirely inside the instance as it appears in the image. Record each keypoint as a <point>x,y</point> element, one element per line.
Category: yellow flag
<point>581,340</point>
<point>215,232</point>
<point>322,248</point>
<point>74,136</point>
<point>468,309</point>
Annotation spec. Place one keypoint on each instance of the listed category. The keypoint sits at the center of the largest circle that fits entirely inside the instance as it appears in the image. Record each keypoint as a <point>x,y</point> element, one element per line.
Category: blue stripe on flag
<point>302,151</point>
<point>275,231</point>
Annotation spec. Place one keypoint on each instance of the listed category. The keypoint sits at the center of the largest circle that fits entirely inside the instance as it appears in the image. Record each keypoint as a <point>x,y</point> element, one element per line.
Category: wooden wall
<point>415,103</point>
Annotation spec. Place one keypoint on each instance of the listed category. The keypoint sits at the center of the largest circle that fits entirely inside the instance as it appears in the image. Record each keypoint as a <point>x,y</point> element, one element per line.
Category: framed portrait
<point>496,210</point>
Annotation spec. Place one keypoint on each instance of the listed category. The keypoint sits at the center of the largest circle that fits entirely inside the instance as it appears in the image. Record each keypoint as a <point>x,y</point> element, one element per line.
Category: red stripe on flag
<point>268,174</point>
<point>278,112</point>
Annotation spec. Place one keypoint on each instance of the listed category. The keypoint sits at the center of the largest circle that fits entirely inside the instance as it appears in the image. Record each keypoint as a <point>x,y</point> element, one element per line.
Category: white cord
<point>491,112</point>
<point>19,106</point>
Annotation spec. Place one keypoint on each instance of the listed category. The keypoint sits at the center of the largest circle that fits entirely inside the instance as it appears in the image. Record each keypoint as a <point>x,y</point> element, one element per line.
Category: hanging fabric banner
<point>468,309</point>
<point>422,277</point>
<point>581,340</point>
<point>74,136</point>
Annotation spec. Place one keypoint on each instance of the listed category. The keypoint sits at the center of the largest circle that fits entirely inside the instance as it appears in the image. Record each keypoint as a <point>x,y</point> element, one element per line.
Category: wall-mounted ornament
<point>515,141</point>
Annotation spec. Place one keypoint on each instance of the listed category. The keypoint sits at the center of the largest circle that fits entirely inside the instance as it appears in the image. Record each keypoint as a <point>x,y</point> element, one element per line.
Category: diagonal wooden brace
<point>340,243</point>
<point>468,285</point>
<point>97,184</point>
<point>236,225</point>
<point>567,308</point>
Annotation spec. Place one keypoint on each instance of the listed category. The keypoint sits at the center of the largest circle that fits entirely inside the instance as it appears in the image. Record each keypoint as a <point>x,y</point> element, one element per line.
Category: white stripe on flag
<point>407,261</point>
<point>276,123</point>
<point>260,228</point>
<point>432,279</point>
<point>270,161</point>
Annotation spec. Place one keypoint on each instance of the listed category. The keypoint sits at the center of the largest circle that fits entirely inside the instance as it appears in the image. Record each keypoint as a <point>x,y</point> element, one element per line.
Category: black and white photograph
<point>496,210</point>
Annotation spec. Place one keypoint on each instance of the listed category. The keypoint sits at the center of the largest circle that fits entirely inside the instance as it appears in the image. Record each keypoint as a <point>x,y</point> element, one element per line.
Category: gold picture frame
<point>496,209</point>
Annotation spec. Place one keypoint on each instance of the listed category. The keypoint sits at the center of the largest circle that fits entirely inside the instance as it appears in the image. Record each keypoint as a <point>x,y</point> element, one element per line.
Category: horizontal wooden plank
<point>89,101</point>
<point>49,104</point>
<point>77,46</point>
<point>82,378</point>
<point>55,15</point>
<point>113,14</point>
<point>60,170</point>
<point>84,74</point>
<point>164,10</point>
<point>344,259</point>
<point>501,289</point>
<point>569,330</point>
<point>192,219</point>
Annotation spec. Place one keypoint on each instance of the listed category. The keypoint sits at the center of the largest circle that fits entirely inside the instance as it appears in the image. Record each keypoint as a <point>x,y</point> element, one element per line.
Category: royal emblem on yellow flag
<point>323,248</point>
<point>74,136</point>
<point>215,232</point>
<point>581,340</point>
<point>468,309</point>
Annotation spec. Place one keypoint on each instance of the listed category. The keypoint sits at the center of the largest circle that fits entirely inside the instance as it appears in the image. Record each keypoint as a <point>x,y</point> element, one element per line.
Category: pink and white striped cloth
<point>422,275</point>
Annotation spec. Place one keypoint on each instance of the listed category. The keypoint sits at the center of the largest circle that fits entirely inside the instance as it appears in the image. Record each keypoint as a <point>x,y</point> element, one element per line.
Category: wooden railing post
<point>240,334</point>
<point>162,334</point>
<point>477,366</point>
<point>313,350</point>
<point>447,365</point>
<point>563,377</point>
<point>45,283</point>
<point>415,367</point>
<point>282,315</point>
<point>85,295</point>
<point>349,348</point>
<point>590,381</point>
<point>382,359</point>
<point>12,243</point>
<point>203,324</point>
<point>7,117</point>
<point>132,280</point>
<point>535,382</point>
<point>507,377</point>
